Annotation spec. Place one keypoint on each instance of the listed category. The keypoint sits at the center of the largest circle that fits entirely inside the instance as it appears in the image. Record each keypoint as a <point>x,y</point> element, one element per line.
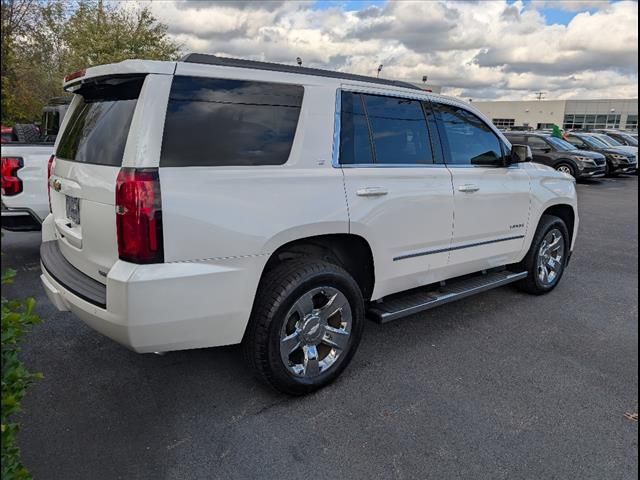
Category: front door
<point>491,200</point>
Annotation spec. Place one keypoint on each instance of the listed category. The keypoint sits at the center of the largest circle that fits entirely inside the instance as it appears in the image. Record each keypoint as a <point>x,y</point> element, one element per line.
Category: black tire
<point>532,284</point>
<point>26,132</point>
<point>608,172</point>
<point>278,291</point>
<point>568,166</point>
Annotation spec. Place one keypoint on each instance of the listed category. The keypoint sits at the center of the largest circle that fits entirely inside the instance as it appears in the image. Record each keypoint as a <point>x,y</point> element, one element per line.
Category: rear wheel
<point>305,327</point>
<point>547,257</point>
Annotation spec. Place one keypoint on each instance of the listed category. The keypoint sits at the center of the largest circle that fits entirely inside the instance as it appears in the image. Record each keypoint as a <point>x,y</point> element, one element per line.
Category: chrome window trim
<point>393,165</point>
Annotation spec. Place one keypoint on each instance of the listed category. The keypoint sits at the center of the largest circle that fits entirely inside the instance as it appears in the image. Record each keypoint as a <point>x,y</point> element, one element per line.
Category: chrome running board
<point>407,303</point>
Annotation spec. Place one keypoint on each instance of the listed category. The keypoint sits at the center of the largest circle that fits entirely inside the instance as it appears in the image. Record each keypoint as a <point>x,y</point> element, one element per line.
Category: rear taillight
<point>139,215</point>
<point>11,184</point>
<point>49,170</point>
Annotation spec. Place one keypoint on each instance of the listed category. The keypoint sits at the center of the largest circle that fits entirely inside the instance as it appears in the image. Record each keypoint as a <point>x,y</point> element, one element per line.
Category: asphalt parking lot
<point>500,385</point>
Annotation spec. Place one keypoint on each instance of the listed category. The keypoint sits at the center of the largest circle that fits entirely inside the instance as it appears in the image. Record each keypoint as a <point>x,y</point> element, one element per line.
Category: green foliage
<point>17,319</point>
<point>42,41</point>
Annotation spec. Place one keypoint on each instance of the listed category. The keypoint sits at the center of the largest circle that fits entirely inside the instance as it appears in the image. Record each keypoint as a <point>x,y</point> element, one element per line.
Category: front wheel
<point>566,168</point>
<point>305,327</point>
<point>547,258</point>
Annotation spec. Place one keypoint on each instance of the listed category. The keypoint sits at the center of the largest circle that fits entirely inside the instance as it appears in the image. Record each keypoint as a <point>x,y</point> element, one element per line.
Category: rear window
<point>219,122</point>
<point>99,125</point>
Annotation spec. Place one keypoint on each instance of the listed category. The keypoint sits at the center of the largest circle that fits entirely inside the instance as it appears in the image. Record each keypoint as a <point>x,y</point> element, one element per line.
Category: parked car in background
<point>214,201</point>
<point>25,200</point>
<point>561,155</point>
<point>614,143</point>
<point>618,160</point>
<point>624,138</point>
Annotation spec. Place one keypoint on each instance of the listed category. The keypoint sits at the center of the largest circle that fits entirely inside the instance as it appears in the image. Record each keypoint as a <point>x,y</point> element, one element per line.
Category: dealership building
<point>570,114</point>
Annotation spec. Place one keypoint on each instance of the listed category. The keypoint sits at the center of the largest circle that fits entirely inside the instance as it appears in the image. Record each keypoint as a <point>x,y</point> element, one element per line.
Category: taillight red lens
<point>49,170</point>
<point>139,215</point>
<point>11,184</point>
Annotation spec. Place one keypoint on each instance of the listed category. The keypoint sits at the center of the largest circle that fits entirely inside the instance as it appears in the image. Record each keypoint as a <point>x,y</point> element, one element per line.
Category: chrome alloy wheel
<point>565,169</point>
<point>550,257</point>
<point>315,332</point>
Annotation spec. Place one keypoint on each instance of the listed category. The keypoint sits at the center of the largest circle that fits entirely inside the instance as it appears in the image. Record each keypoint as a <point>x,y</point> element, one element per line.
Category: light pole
<point>299,61</point>
<point>379,70</point>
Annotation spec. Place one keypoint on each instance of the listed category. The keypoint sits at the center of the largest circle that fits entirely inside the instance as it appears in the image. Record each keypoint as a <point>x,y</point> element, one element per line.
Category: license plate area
<point>73,209</point>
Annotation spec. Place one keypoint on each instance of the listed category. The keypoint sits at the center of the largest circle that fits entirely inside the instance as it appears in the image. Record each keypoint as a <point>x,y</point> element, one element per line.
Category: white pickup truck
<point>215,201</point>
<point>25,201</point>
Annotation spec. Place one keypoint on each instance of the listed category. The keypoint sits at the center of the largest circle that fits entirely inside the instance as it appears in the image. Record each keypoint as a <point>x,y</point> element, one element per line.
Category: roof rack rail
<point>279,67</point>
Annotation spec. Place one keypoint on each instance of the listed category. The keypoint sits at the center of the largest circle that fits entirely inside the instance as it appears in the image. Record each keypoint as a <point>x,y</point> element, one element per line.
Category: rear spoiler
<point>74,80</point>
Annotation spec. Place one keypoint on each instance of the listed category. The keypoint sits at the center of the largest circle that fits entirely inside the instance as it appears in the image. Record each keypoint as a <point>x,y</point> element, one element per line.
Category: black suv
<point>618,160</point>
<point>560,154</point>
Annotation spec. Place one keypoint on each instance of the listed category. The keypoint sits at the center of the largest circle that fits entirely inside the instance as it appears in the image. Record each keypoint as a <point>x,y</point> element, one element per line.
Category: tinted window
<point>399,130</point>
<point>594,142</point>
<point>50,125</point>
<point>99,125</point>
<point>575,141</point>
<point>537,143</point>
<point>516,139</point>
<point>560,144</point>
<point>217,122</point>
<point>470,141</point>
<point>355,142</point>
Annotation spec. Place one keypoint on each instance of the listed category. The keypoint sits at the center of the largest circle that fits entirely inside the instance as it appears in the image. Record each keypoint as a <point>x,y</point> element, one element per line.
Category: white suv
<point>214,201</point>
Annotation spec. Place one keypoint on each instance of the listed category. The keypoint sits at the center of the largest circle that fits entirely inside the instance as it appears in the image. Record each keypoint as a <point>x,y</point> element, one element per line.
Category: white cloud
<point>487,49</point>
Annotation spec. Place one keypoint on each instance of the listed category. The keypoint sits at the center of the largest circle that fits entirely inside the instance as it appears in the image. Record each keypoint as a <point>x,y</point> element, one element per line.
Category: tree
<point>48,39</point>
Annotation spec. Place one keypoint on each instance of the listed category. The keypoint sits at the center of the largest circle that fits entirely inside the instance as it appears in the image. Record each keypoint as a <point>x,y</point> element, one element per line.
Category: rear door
<point>491,200</point>
<point>398,190</point>
<point>97,136</point>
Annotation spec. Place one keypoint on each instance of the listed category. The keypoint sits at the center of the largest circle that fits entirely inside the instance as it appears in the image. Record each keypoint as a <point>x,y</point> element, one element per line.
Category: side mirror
<point>521,153</point>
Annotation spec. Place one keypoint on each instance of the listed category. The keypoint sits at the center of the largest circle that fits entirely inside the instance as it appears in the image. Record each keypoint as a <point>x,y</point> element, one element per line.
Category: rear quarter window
<point>98,126</point>
<point>219,122</point>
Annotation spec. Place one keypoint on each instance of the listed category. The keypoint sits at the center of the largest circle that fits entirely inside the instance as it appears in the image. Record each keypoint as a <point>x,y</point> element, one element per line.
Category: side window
<point>399,130</point>
<point>516,139</point>
<point>219,122</point>
<point>355,142</point>
<point>537,143</point>
<point>470,141</point>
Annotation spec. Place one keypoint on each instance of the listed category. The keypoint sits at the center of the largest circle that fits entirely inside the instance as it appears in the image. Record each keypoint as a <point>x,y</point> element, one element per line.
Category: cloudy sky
<point>501,49</point>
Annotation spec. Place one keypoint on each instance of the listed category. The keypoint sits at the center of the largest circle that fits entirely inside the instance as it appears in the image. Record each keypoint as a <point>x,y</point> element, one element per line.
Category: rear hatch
<point>88,159</point>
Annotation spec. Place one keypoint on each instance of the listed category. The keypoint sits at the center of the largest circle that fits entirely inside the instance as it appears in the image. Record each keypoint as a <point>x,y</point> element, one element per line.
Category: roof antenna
<point>299,60</point>
<point>379,70</point>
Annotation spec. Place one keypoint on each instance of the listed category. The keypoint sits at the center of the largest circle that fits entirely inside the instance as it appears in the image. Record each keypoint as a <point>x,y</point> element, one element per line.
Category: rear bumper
<point>162,307</point>
<point>20,219</point>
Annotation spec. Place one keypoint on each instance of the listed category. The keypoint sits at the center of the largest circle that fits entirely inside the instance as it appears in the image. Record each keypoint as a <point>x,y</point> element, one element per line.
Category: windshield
<point>560,144</point>
<point>630,139</point>
<point>594,142</point>
<point>609,140</point>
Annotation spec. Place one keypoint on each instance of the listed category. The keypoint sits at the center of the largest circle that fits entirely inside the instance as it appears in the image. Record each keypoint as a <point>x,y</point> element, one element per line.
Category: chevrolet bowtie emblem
<point>56,185</point>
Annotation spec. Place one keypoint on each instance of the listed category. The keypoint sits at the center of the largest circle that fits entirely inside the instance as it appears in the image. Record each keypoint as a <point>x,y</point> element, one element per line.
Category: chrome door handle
<point>469,187</point>
<point>371,192</point>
